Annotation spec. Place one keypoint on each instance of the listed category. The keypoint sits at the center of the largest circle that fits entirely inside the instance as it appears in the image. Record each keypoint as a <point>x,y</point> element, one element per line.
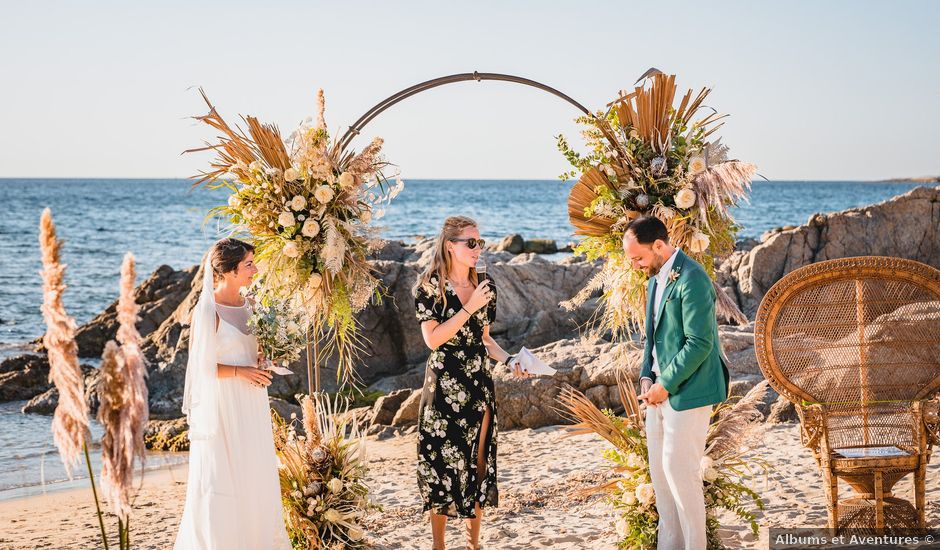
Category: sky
<point>816,90</point>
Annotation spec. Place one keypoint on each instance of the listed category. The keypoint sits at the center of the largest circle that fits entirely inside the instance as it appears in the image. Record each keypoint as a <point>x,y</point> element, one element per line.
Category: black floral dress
<point>458,387</point>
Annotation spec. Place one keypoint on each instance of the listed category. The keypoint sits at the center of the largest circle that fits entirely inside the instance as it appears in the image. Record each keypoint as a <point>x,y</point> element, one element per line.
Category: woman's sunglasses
<point>471,243</point>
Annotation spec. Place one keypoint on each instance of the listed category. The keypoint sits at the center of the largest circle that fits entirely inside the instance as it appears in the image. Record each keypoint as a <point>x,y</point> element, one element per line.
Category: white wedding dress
<point>233,499</point>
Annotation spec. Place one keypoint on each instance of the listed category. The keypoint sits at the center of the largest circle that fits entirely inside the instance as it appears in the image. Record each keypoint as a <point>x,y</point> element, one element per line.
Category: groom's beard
<point>656,266</point>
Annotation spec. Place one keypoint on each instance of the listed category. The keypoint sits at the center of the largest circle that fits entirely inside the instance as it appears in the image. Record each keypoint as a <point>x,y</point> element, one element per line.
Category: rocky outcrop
<point>24,377</point>
<point>530,288</point>
<point>907,226</point>
<point>158,296</point>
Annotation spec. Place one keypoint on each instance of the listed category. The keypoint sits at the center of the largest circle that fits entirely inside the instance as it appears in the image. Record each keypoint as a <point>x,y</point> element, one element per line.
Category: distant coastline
<point>921,179</point>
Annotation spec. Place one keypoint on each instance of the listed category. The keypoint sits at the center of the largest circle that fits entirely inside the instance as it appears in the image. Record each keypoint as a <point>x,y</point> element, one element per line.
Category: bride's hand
<point>481,296</point>
<point>255,377</point>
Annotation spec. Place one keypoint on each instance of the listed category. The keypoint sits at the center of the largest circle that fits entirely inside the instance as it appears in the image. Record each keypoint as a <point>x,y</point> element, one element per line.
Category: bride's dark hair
<point>227,254</point>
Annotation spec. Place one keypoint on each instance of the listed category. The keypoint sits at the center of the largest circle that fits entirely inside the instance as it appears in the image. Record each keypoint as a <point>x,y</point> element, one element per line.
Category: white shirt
<point>662,279</point>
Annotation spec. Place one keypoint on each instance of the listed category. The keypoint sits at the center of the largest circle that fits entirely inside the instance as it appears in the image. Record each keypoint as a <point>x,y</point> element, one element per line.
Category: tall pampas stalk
<point>123,411</point>
<point>70,422</point>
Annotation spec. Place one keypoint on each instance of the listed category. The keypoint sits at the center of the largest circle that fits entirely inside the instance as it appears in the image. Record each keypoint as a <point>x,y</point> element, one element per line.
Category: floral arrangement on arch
<point>322,476</point>
<point>308,207</point>
<point>735,431</point>
<point>649,157</point>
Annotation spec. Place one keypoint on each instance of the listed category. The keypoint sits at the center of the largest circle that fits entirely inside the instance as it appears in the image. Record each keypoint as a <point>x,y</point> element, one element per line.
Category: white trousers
<point>676,442</point>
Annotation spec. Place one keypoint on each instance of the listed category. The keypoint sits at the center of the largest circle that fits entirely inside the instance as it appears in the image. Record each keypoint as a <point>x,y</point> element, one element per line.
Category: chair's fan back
<point>852,331</point>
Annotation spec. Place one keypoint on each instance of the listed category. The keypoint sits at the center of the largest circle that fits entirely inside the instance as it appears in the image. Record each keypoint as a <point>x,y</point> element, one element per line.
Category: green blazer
<point>692,368</point>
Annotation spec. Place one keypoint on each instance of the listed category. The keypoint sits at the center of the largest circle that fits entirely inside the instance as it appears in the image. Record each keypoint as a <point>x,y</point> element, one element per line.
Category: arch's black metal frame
<point>357,126</point>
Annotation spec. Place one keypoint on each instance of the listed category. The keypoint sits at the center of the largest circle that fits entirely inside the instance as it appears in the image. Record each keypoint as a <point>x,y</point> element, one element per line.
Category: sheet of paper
<point>532,364</point>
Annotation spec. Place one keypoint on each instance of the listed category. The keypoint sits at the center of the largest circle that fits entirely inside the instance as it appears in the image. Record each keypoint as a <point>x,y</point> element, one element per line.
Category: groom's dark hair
<point>647,229</point>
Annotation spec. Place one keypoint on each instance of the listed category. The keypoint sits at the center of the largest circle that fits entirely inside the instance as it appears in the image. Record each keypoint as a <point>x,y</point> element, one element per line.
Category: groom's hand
<point>655,395</point>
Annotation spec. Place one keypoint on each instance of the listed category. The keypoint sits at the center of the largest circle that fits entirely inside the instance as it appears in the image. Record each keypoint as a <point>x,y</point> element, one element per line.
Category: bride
<point>233,499</point>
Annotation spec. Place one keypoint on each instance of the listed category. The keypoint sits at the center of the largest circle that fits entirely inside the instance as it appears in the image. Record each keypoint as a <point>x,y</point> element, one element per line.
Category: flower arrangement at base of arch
<point>727,469</point>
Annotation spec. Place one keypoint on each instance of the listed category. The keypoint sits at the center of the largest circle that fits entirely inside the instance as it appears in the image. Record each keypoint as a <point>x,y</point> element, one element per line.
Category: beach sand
<point>539,472</point>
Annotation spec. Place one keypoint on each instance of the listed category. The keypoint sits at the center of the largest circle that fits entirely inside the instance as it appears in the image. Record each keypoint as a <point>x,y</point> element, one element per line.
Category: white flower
<point>645,494</point>
<point>609,170</point>
<point>710,475</point>
<point>291,174</point>
<point>234,201</point>
<point>298,202</point>
<point>642,200</point>
<point>629,498</point>
<point>699,242</point>
<point>315,280</point>
<point>707,462</point>
<point>286,219</point>
<point>635,461</point>
<point>335,485</point>
<point>685,198</point>
<point>296,494</point>
<point>355,534</point>
<point>255,166</point>
<point>310,229</point>
<point>290,250</point>
<point>346,180</point>
<point>323,194</point>
<point>697,164</point>
<point>332,515</point>
<point>366,216</point>
<point>271,172</point>
<point>622,527</point>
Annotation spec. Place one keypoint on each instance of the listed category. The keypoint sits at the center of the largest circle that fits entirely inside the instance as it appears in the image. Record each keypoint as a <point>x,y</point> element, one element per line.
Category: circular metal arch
<point>357,126</point>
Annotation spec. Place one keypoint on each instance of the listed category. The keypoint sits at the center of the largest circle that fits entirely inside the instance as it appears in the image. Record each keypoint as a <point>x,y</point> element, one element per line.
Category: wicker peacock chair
<point>854,343</point>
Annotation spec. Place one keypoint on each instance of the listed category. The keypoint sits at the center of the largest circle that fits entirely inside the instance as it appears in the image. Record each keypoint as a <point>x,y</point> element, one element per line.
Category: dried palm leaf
<point>588,418</point>
<point>582,194</point>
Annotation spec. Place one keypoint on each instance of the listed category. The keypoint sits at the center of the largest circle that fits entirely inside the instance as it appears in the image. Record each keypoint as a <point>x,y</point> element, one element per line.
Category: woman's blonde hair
<point>440,262</point>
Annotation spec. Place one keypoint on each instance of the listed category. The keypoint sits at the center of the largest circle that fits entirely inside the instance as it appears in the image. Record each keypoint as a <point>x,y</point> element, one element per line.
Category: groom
<point>683,375</point>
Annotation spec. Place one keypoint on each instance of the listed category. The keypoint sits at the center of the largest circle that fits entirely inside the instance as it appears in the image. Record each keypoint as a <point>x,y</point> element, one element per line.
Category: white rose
<point>355,534</point>
<point>685,198</point>
<point>697,164</point>
<point>286,219</point>
<point>291,174</point>
<point>629,498</point>
<point>234,201</point>
<point>707,463</point>
<point>710,475</point>
<point>290,250</point>
<point>298,202</point>
<point>335,485</point>
<point>332,515</point>
<point>323,194</point>
<point>346,180</point>
<point>699,242</point>
<point>310,229</point>
<point>634,461</point>
<point>645,494</point>
<point>622,527</point>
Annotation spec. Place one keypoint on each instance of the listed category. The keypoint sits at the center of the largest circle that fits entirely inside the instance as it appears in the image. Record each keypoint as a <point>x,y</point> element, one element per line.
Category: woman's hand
<point>480,297</point>
<point>254,376</point>
<point>517,369</point>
